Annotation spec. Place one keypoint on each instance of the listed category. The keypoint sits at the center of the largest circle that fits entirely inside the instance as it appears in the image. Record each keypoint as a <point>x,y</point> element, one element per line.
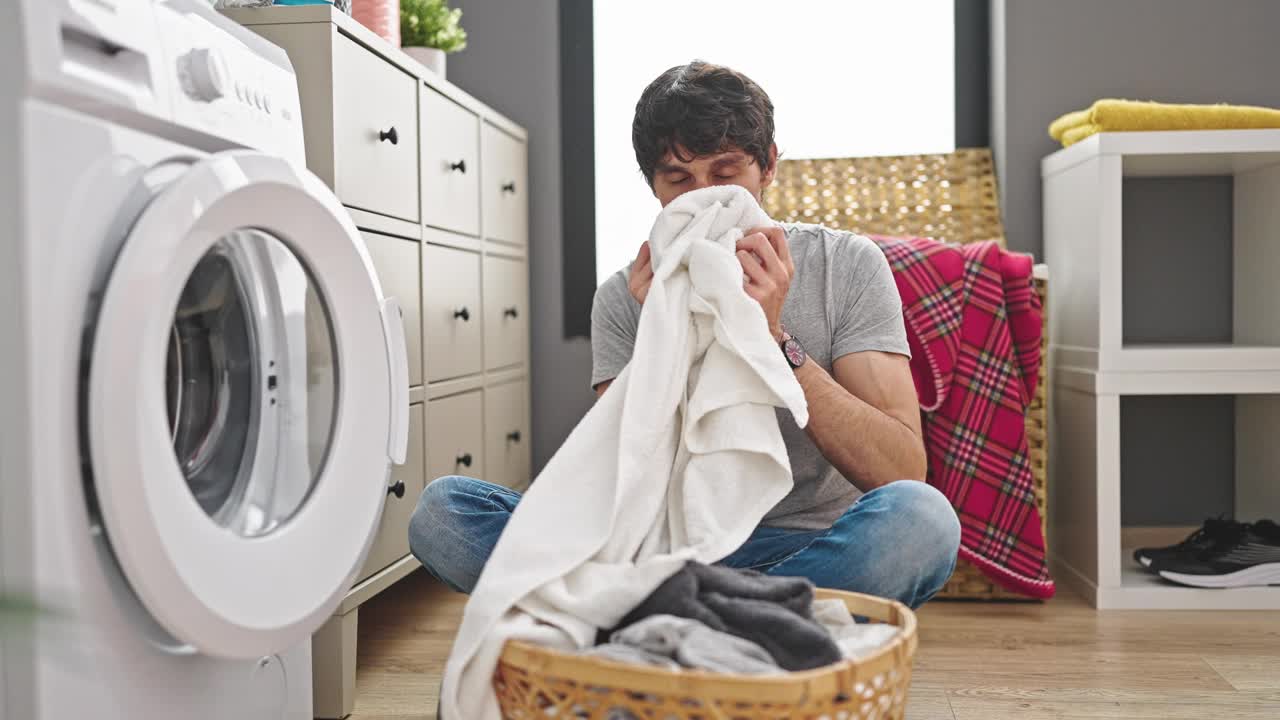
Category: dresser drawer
<point>506,434</point>
<point>452,312</point>
<point>455,436</point>
<point>506,312</point>
<point>398,266</point>
<point>506,187</point>
<point>450,168</point>
<point>392,539</point>
<point>375,132</point>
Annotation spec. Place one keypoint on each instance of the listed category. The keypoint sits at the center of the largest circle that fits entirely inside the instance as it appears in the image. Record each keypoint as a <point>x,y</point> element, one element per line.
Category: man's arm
<point>866,419</point>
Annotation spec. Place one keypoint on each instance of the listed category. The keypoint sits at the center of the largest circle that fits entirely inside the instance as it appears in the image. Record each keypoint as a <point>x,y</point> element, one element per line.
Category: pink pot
<point>380,16</point>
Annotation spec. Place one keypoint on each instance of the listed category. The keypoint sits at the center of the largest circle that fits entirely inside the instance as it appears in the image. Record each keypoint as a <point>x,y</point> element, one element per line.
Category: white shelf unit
<point>1093,367</point>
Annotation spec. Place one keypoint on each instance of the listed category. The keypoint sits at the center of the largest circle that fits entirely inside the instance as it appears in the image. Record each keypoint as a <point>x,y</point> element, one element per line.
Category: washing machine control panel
<point>203,74</point>
<point>95,57</point>
<point>229,82</point>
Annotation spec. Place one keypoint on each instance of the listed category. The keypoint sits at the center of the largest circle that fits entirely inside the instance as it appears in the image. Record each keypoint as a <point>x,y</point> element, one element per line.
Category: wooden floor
<point>977,661</point>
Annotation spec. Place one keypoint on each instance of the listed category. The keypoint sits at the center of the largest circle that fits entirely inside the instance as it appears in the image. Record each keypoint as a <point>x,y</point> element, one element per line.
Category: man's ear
<point>767,179</point>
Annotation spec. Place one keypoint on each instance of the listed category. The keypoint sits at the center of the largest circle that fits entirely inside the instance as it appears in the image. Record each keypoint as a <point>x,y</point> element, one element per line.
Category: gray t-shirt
<point>842,300</point>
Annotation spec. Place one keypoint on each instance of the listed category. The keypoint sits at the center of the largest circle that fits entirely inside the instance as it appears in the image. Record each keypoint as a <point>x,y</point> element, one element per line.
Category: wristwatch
<point>792,351</point>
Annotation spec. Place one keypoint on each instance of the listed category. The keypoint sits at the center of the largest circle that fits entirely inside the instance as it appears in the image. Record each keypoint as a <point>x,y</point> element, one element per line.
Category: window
<point>852,78</point>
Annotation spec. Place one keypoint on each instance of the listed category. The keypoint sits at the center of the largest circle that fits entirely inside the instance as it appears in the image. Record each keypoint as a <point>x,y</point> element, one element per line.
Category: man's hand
<point>766,259</point>
<point>641,274</point>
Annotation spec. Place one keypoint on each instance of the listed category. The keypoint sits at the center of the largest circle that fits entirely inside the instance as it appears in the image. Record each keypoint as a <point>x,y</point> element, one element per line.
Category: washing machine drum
<point>250,436</point>
<point>246,393</point>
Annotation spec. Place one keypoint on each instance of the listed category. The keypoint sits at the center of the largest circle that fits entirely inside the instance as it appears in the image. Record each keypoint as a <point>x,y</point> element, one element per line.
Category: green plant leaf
<point>431,23</point>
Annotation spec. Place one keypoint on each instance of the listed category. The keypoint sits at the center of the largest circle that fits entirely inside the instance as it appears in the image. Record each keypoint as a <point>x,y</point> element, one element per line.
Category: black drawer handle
<point>511,312</point>
<point>463,313</point>
<point>392,135</point>
<point>397,489</point>
<point>460,166</point>
<point>513,436</point>
<point>464,459</point>
<point>510,187</point>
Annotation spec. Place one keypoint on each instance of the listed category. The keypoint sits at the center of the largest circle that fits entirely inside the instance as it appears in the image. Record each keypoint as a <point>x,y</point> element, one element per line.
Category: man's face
<point>674,177</point>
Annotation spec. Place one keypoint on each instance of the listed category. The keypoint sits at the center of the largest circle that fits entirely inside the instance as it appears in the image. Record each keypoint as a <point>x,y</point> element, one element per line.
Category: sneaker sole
<point>1146,561</point>
<point>1264,574</point>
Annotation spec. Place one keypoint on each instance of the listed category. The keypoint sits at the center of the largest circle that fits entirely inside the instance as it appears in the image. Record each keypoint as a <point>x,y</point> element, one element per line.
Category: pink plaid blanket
<point>973,325</point>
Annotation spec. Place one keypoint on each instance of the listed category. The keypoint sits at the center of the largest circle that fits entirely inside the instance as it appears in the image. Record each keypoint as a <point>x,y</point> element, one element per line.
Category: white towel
<point>679,460</point>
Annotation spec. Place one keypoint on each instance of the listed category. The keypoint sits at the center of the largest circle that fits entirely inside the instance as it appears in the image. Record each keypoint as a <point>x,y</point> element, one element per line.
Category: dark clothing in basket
<point>776,613</point>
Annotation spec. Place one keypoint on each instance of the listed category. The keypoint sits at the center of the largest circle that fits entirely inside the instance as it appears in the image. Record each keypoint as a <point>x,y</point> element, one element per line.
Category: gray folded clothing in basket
<point>674,642</point>
<point>775,613</point>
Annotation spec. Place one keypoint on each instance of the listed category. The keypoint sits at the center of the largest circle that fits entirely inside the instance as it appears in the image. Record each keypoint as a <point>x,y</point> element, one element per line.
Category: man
<point>858,517</point>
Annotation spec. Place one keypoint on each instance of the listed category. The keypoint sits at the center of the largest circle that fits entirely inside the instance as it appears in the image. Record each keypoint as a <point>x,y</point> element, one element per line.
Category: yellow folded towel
<point>1073,135</point>
<point>1068,121</point>
<point>1129,115</point>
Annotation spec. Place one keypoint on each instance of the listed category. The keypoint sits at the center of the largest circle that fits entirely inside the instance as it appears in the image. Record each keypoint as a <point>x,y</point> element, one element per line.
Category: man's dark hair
<point>704,109</point>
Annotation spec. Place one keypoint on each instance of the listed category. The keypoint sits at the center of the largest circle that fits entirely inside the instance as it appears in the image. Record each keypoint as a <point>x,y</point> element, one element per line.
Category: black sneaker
<point>1202,539</point>
<point>1248,556</point>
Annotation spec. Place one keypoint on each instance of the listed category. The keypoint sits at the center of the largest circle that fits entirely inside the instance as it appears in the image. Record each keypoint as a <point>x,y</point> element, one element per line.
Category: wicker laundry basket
<point>951,197</point>
<point>533,682</point>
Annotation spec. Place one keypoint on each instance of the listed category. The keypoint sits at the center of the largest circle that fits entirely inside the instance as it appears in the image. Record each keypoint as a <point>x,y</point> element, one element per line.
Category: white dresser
<point>437,182</point>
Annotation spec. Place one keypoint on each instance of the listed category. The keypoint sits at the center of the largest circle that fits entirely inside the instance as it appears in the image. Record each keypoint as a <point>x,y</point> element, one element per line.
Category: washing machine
<point>202,384</point>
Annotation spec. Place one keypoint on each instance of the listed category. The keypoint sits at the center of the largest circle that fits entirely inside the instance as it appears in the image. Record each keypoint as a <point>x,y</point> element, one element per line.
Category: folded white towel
<point>679,460</point>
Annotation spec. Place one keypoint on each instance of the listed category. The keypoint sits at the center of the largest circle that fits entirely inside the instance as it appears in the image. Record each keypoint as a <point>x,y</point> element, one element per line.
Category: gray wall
<point>1050,57</point>
<point>1177,458</point>
<point>1176,260</point>
<point>512,64</point>
<point>1177,453</point>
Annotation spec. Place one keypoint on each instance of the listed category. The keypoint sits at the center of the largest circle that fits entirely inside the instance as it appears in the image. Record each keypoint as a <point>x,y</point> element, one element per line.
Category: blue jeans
<point>897,541</point>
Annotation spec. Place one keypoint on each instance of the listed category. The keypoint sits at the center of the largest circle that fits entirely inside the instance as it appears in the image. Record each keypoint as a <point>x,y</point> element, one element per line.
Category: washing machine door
<point>246,394</point>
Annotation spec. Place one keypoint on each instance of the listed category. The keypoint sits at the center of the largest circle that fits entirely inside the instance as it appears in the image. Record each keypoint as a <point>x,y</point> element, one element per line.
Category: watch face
<point>793,351</point>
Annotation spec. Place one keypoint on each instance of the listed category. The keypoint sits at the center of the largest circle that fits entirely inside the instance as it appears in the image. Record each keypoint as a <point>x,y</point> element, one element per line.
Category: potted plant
<point>429,29</point>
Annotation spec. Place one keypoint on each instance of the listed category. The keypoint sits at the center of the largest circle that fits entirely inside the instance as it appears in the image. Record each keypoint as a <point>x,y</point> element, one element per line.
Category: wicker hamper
<point>950,197</point>
<point>534,682</point>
